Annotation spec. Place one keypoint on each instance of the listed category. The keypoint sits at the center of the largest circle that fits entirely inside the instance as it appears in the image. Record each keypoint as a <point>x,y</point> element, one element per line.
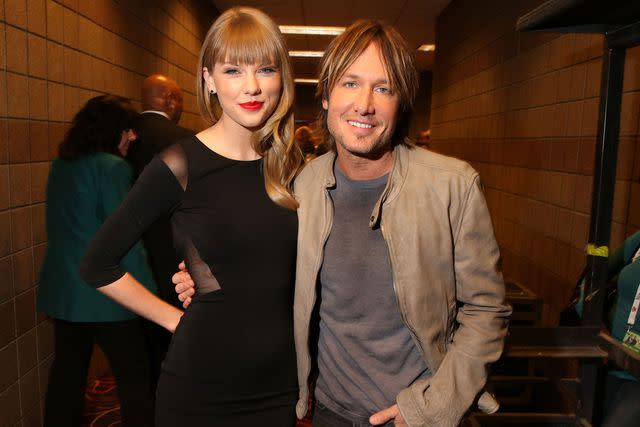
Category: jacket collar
<point>394,183</point>
<point>159,113</point>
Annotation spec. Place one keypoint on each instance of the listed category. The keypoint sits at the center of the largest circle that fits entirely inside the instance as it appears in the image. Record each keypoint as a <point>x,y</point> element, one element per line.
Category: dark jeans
<point>623,403</point>
<point>325,417</point>
<point>123,344</point>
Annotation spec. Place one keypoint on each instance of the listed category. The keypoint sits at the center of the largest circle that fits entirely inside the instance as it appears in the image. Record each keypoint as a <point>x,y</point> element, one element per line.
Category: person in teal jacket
<point>622,389</point>
<point>87,181</point>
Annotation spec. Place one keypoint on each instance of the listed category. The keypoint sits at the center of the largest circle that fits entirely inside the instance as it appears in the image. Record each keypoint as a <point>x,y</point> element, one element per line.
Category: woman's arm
<point>156,192</point>
<point>132,295</point>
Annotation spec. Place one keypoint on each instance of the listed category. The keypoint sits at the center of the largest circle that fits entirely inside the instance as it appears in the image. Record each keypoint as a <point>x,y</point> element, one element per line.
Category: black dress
<point>231,361</point>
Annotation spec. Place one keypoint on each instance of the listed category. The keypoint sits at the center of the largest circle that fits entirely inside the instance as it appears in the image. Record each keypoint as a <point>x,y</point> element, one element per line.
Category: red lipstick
<point>252,106</point>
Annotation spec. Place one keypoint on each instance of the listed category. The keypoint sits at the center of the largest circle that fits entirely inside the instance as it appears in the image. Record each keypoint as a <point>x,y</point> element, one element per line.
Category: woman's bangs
<point>248,45</point>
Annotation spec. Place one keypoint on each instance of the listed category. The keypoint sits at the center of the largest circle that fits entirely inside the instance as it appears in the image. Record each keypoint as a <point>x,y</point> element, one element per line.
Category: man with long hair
<point>411,305</point>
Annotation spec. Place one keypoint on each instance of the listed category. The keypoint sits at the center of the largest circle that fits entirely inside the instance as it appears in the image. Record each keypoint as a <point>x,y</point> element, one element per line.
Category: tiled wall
<point>523,109</point>
<point>420,119</point>
<point>54,55</point>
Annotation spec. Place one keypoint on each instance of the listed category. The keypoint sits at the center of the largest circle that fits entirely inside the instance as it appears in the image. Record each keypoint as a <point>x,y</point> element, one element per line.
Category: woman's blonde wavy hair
<point>245,35</point>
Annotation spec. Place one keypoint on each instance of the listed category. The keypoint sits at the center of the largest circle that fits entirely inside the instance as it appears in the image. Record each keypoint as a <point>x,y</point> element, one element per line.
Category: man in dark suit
<point>157,126</point>
<point>157,129</point>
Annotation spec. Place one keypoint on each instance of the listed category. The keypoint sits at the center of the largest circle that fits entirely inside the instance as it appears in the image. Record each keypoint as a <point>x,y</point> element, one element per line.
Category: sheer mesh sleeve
<point>175,159</point>
<point>157,191</point>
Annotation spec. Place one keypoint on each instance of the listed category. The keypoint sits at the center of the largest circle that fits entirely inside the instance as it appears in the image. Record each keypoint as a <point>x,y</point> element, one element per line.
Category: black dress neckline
<point>220,156</point>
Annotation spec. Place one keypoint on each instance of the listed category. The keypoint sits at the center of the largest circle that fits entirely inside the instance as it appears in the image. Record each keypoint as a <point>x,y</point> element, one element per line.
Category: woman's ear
<point>208,79</point>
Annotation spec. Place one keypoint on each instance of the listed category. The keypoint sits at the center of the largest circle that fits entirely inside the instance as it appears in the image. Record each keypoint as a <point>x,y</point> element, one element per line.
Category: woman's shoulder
<point>191,155</point>
<point>96,162</point>
<point>110,167</point>
<point>103,159</point>
<point>188,142</point>
<point>181,150</point>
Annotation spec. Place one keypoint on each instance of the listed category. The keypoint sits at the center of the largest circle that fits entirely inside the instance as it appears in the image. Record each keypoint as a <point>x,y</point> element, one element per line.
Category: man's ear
<point>168,100</point>
<point>325,103</point>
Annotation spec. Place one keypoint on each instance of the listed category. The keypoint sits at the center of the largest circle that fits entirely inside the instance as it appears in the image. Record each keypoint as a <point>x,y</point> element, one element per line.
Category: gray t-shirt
<point>365,352</point>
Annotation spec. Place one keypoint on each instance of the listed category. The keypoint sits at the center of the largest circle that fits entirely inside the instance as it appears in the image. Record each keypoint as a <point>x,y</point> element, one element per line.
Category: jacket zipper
<point>414,335</point>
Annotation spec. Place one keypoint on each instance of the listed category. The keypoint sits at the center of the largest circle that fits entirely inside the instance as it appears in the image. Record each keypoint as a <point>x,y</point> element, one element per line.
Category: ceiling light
<point>306,81</point>
<point>306,53</point>
<point>427,47</point>
<point>307,29</point>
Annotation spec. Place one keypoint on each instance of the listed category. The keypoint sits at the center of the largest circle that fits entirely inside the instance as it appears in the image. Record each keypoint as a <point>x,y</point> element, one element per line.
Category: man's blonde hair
<point>397,59</point>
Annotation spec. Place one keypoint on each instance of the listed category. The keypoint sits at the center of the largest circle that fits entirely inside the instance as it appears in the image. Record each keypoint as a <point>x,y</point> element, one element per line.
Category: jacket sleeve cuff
<point>421,405</point>
<point>410,408</point>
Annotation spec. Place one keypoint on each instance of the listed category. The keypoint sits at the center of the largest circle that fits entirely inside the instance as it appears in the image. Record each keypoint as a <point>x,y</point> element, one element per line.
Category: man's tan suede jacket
<point>444,258</point>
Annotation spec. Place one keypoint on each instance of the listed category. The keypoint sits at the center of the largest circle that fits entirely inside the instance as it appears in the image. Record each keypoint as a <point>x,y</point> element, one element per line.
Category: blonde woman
<point>228,189</point>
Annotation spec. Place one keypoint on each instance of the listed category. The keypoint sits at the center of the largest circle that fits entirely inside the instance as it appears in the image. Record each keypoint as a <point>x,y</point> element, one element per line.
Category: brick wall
<point>55,55</point>
<point>522,108</point>
<point>420,120</point>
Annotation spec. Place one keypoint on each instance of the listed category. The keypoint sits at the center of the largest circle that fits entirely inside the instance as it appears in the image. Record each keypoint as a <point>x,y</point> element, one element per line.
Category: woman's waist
<point>259,298</point>
<point>224,319</point>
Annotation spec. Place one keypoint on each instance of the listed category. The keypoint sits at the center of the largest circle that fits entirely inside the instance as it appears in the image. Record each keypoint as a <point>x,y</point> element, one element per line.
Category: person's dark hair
<point>97,127</point>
